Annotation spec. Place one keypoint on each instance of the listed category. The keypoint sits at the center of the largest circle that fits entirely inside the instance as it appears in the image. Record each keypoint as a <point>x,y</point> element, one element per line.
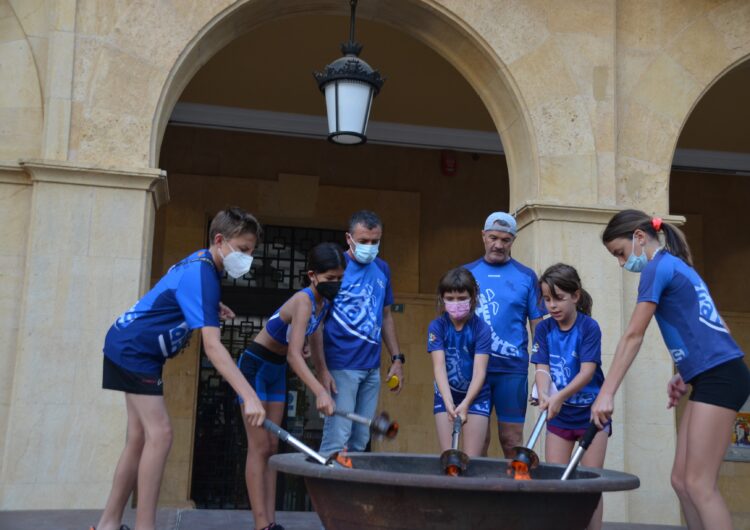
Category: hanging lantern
<point>349,84</point>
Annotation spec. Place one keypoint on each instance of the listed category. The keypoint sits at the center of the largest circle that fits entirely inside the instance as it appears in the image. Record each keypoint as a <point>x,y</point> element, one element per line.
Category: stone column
<point>88,235</point>
<point>644,434</point>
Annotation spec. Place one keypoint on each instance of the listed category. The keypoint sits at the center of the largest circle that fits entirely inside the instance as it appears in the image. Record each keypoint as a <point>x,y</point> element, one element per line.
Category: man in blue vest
<point>509,297</point>
<point>346,354</point>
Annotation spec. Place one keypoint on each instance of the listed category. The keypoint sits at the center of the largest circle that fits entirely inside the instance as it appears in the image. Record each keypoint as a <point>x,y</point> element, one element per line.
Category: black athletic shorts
<point>115,377</point>
<point>726,385</point>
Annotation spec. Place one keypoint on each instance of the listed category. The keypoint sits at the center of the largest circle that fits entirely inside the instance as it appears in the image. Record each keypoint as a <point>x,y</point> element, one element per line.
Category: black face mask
<point>328,290</point>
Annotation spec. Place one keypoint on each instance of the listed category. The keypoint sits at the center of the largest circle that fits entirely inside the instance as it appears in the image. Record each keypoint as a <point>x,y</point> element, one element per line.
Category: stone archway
<point>655,105</point>
<point>428,21</point>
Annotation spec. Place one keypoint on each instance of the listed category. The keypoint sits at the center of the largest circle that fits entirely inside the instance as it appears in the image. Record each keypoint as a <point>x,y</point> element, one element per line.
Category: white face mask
<point>237,264</point>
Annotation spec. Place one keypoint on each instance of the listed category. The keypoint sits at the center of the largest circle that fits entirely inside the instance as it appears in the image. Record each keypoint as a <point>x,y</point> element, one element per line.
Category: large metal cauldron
<point>396,490</point>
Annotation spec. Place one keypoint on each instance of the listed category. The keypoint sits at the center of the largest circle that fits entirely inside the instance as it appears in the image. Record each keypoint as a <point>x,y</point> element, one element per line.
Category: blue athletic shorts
<point>509,394</point>
<point>265,371</point>
<point>480,406</point>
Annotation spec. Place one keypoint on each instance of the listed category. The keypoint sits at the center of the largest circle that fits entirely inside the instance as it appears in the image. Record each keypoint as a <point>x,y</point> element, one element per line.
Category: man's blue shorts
<point>480,406</point>
<point>265,371</point>
<point>509,394</point>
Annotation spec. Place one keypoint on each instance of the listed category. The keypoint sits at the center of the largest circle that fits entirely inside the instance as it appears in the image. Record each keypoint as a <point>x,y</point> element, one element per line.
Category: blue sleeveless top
<point>280,330</point>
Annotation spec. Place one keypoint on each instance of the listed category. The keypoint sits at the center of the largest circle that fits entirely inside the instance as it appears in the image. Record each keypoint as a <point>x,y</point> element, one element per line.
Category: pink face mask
<point>458,310</point>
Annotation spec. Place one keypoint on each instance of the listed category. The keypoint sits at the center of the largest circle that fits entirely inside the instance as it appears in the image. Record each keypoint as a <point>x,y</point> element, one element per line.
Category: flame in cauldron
<point>344,460</point>
<point>519,471</point>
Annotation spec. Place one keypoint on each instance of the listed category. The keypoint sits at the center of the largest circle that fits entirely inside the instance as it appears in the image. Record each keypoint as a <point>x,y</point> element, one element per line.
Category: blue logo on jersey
<point>126,318</point>
<point>176,337</point>
<point>454,367</point>
<point>707,313</point>
<point>356,311</point>
<point>500,348</point>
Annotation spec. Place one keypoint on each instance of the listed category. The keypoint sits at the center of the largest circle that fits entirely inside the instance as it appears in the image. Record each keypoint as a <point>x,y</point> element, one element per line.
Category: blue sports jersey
<point>509,296</point>
<point>159,324</point>
<point>689,322</point>
<point>352,331</point>
<point>280,330</point>
<point>459,347</point>
<point>564,351</point>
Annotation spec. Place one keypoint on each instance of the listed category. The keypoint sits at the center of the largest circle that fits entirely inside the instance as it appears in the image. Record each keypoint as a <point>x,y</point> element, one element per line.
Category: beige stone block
<point>513,28</point>
<point>667,88</point>
<point>139,31</point>
<point>591,17</point>
<point>702,51</point>
<point>650,456</point>
<point>10,29</point>
<point>125,84</point>
<point>606,179</point>
<point>20,132</point>
<point>111,138</point>
<point>639,25</point>
<point>14,214</point>
<point>100,18</point>
<point>631,64</point>
<point>61,65</point>
<point>604,124</point>
<point>647,135</point>
<point>64,15</point>
<point>642,184</point>
<point>732,21</point>
<point>117,223</point>
<point>56,129</point>
<point>569,179</point>
<point>544,73</point>
<point>32,15</point>
<point>87,50</point>
<point>589,60</point>
<point>63,215</point>
<point>563,127</point>
<point>40,50</point>
<point>18,76</point>
<point>647,379</point>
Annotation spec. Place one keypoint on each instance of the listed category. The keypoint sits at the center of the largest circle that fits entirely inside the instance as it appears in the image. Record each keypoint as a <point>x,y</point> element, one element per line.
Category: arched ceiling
<point>270,68</point>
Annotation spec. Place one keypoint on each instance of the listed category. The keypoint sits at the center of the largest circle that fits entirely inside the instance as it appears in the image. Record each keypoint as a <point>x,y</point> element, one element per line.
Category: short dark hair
<point>366,218</point>
<point>232,222</point>
<point>457,280</point>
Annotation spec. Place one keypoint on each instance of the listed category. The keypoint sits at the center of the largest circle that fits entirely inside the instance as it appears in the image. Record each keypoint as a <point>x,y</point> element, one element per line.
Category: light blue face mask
<point>364,253</point>
<point>636,263</point>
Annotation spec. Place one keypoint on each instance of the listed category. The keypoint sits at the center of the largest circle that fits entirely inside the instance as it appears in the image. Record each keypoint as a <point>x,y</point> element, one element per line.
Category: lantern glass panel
<point>352,108</point>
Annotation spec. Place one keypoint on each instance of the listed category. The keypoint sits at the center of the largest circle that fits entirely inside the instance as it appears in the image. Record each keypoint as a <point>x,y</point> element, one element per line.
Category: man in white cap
<point>509,296</point>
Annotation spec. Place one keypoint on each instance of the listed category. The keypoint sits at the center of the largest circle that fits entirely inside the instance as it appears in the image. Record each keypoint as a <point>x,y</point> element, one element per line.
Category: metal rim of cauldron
<point>606,479</point>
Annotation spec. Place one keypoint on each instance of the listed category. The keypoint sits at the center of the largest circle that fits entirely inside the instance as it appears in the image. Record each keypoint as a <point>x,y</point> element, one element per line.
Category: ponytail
<point>676,244</point>
<point>623,224</point>
<point>585,302</point>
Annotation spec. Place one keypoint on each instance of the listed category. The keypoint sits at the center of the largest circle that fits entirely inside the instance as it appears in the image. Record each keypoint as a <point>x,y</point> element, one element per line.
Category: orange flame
<point>452,471</point>
<point>344,460</point>
<point>519,471</point>
<point>392,430</point>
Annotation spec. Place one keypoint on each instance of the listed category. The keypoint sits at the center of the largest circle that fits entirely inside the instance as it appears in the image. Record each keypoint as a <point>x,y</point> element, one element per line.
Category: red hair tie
<point>656,223</point>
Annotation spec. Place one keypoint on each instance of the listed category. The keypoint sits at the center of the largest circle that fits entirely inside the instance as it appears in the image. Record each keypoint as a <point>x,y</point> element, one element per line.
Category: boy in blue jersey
<point>346,354</point>
<point>509,297</point>
<point>155,329</point>
<point>706,356</point>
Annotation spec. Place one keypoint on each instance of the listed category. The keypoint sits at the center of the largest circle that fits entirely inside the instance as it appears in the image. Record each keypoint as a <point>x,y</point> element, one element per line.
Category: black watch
<point>398,357</point>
